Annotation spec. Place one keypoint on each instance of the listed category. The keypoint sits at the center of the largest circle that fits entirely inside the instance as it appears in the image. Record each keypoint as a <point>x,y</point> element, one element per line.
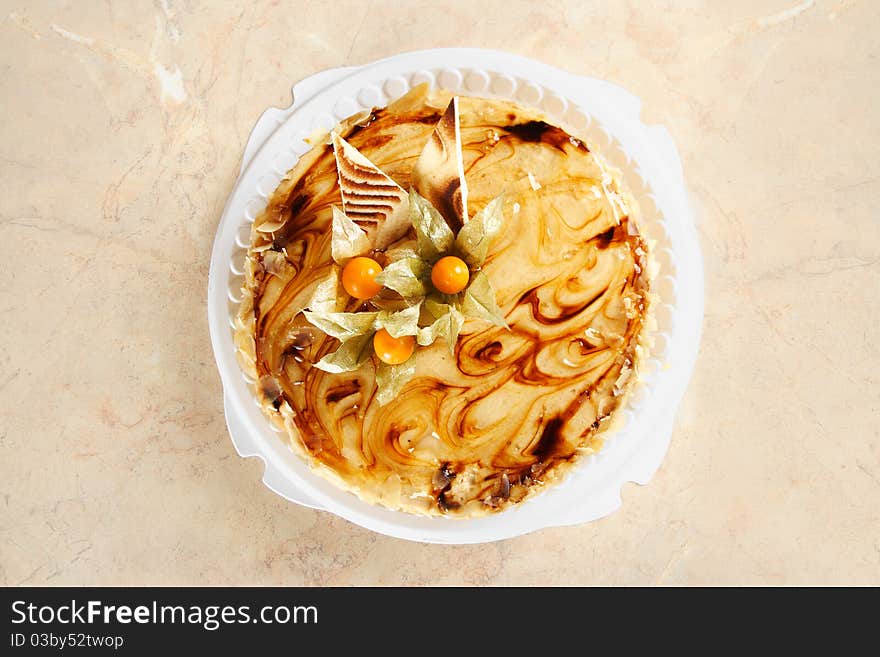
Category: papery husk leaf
<point>325,298</point>
<point>402,322</point>
<point>348,239</point>
<point>474,238</point>
<point>479,302</point>
<point>350,355</point>
<point>433,233</point>
<point>390,379</point>
<point>447,324</point>
<point>407,276</point>
<point>391,302</point>
<point>342,326</point>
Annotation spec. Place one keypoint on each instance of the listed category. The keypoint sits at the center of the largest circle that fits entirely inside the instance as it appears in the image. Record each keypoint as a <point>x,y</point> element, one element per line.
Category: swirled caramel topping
<point>512,408</point>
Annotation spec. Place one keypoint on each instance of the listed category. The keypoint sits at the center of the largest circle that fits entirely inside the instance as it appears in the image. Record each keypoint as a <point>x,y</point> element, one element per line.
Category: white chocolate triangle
<point>439,172</point>
<point>369,197</point>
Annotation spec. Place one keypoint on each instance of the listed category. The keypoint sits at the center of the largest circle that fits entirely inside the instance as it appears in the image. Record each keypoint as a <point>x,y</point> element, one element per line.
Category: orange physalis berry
<point>450,275</point>
<point>359,277</point>
<point>391,350</point>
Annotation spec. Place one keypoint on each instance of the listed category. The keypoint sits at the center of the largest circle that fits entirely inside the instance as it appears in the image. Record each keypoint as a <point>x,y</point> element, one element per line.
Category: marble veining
<point>123,132</point>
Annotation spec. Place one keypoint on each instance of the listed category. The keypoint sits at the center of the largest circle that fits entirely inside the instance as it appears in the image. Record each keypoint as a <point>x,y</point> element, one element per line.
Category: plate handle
<point>273,117</point>
<point>272,478</point>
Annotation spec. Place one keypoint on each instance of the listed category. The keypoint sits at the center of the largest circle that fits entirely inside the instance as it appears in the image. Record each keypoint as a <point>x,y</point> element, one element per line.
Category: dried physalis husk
<point>439,172</point>
<point>369,197</point>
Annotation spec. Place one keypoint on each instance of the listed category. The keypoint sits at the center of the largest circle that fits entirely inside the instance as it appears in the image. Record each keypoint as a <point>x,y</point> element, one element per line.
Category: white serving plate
<point>607,117</point>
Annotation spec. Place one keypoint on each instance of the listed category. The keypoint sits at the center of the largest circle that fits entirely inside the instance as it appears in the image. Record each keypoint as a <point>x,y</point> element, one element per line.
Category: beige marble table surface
<point>122,131</point>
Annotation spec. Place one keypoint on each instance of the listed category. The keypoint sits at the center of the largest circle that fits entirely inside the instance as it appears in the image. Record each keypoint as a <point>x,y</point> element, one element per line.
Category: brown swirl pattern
<point>510,410</point>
